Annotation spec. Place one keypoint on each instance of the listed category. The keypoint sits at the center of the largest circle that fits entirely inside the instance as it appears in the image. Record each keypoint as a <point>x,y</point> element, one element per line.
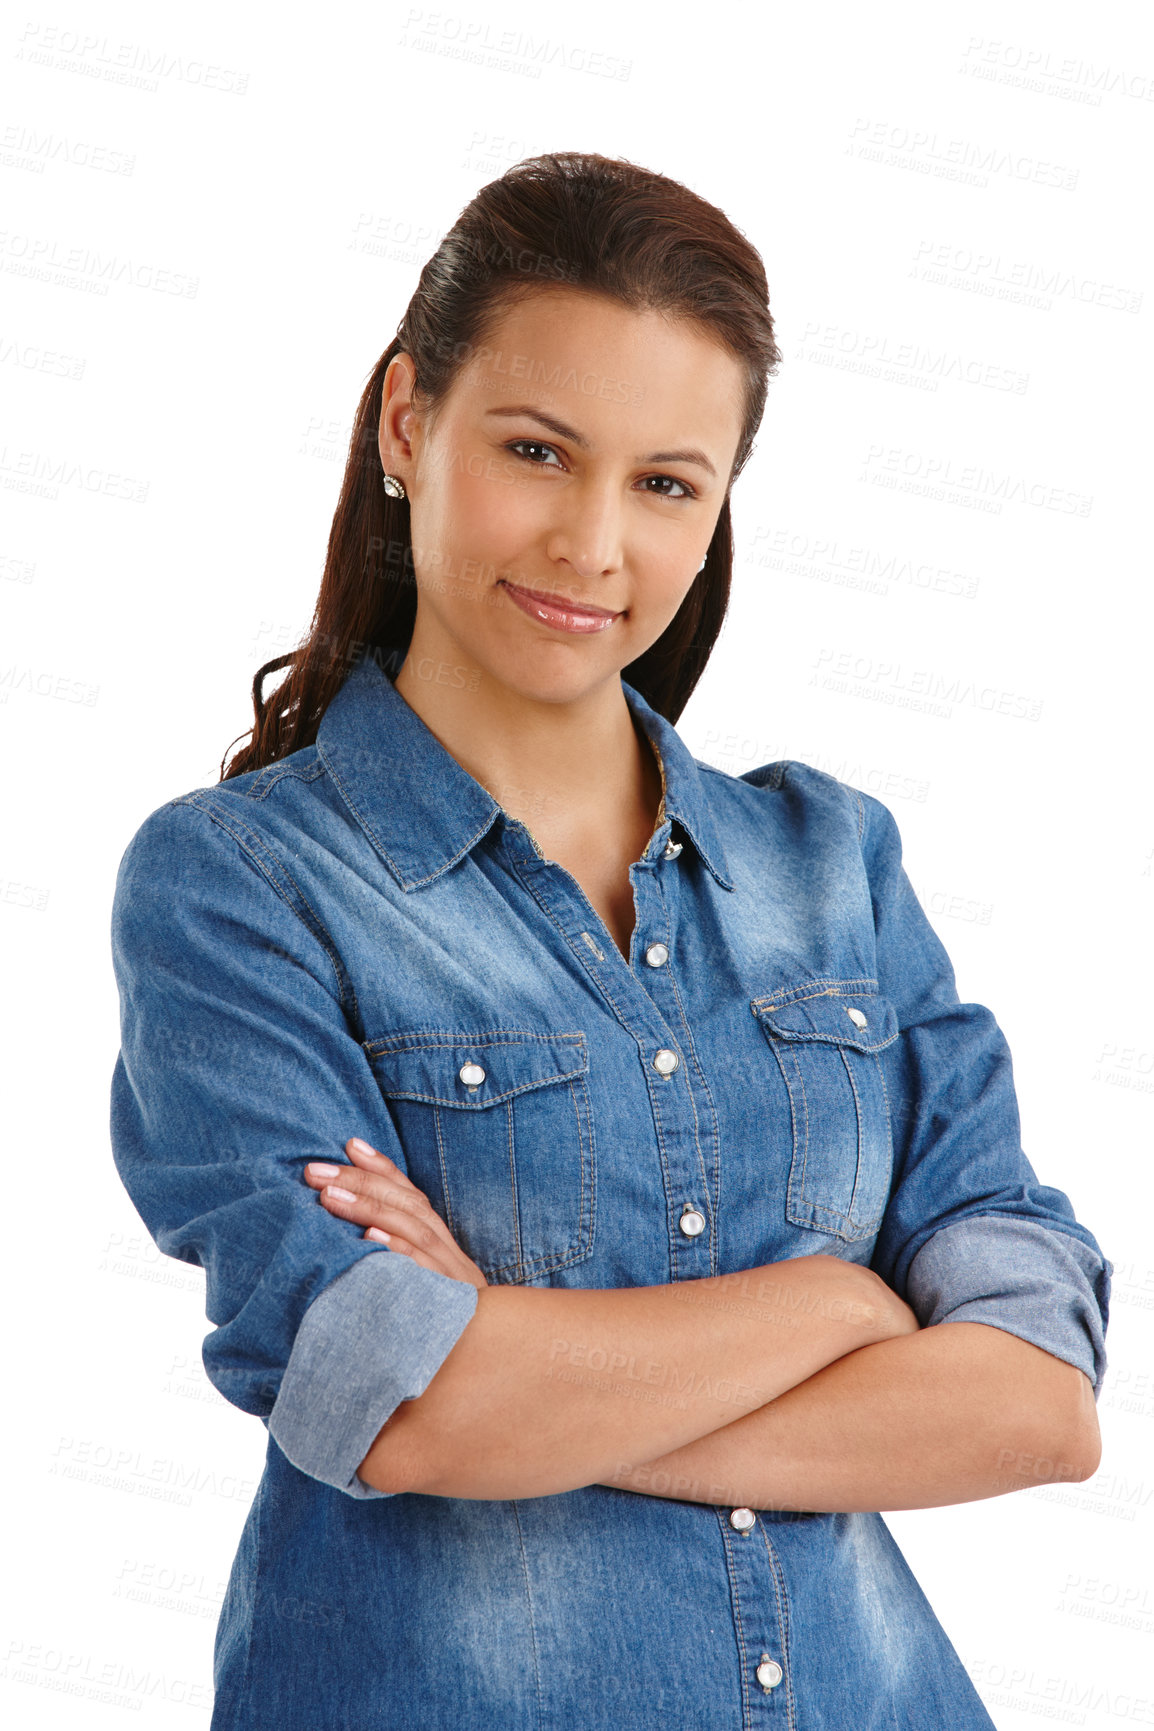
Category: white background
<point>946,503</point>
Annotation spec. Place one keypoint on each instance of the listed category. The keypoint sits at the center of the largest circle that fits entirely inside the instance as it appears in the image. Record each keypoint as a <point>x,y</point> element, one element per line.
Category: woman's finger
<point>371,1159</point>
<point>374,1193</point>
<point>442,1255</point>
<point>372,1199</point>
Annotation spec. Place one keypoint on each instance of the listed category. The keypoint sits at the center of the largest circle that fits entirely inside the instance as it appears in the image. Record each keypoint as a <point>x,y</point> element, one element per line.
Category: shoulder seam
<point>274,772</point>
<point>285,886</point>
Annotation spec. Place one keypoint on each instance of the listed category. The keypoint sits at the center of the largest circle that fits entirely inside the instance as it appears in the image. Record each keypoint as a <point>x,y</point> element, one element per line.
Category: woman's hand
<point>374,1193</point>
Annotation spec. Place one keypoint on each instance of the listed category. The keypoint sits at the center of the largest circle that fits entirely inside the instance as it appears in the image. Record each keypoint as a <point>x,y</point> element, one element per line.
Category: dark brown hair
<point>598,223</point>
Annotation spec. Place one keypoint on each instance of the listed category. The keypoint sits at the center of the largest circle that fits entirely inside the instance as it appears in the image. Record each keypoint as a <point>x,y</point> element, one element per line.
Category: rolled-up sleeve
<point>237,1065</point>
<point>969,1234</point>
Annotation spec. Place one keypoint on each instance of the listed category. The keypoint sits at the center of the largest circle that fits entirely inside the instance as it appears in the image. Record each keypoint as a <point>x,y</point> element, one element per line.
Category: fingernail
<point>381,1237</point>
<point>318,1169</point>
<point>345,1195</point>
<point>362,1147</point>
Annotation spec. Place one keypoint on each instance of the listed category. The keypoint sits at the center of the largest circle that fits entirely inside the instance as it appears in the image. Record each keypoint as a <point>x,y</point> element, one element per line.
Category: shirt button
<point>769,1673</point>
<point>471,1075</point>
<point>657,955</point>
<point>856,1017</point>
<point>665,1061</point>
<point>672,849</point>
<point>742,1519</point>
<point>692,1222</point>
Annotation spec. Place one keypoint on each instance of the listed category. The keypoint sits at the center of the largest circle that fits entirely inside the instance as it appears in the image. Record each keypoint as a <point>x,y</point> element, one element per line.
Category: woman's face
<point>583,452</point>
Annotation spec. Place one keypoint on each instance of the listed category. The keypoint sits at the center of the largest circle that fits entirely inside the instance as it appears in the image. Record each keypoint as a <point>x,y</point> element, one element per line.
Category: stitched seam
<point>783,1612</point>
<point>244,1700</point>
<point>439,1038</point>
<point>583,1104</point>
<point>824,987</point>
<point>554,1259</point>
<point>395,1093</point>
<point>708,1093</point>
<point>270,868</point>
<point>561,1258</point>
<point>409,883</point>
<point>735,1594</point>
<point>524,1266</point>
<point>446,1189</point>
<point>275,772</point>
<point>511,1155</point>
<point>860,803</point>
<point>529,1607</point>
<point>804,1175</point>
<point>798,1132</point>
<point>771,774</point>
<point>605,989</point>
<point>455,1041</point>
<point>857,1173</point>
<point>797,1196</point>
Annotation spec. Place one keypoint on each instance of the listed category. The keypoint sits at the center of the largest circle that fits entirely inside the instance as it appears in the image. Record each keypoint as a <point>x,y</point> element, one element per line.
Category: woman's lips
<point>556,611</point>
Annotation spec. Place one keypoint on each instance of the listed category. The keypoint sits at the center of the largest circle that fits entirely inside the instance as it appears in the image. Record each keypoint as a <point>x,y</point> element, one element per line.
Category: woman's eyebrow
<point>563,431</point>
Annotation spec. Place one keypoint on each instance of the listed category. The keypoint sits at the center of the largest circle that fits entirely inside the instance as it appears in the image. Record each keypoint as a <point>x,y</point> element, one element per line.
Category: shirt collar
<point>423,811</point>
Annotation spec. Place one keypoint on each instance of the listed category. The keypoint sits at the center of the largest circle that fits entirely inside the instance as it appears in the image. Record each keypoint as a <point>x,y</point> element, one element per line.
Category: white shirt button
<point>742,1519</point>
<point>665,1061</point>
<point>692,1222</point>
<point>856,1017</point>
<point>471,1074</point>
<point>657,955</point>
<point>672,849</point>
<point>769,1673</point>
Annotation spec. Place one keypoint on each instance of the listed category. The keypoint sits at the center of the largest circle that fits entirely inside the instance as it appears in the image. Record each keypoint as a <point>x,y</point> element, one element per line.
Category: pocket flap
<point>827,1016</point>
<point>496,1064</point>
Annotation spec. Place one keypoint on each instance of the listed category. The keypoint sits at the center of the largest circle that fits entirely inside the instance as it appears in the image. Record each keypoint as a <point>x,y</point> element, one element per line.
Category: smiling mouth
<point>558,610</point>
<point>561,601</point>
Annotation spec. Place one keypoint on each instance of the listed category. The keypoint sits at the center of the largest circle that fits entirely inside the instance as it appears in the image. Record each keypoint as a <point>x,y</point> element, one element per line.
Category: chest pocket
<point>497,1131</point>
<point>827,1045</point>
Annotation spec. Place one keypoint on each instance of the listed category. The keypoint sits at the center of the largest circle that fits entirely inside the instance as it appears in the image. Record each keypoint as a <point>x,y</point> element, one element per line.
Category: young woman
<point>583,1146</point>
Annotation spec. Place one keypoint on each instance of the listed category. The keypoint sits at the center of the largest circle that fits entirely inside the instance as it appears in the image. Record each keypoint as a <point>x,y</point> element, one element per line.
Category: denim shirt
<point>359,940</point>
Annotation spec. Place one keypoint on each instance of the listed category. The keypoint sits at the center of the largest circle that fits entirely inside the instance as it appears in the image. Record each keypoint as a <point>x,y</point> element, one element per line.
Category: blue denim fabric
<point>313,951</point>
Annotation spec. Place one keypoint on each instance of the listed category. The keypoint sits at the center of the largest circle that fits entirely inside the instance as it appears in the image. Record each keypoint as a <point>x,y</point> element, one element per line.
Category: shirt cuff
<point>376,1335</point>
<point>1045,1286</point>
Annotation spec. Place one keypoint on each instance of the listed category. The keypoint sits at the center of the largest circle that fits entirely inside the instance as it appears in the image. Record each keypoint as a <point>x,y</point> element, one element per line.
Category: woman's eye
<point>521,446</point>
<point>532,445</point>
<point>685,493</point>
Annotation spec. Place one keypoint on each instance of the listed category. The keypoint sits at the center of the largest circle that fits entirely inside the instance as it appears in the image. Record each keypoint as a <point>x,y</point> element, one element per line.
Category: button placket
<point>758,1589</point>
<point>657,901</point>
<point>645,1003</point>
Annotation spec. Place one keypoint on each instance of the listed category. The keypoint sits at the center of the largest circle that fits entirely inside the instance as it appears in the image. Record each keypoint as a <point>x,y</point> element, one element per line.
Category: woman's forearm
<point>547,1388</point>
<point>948,1415</point>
